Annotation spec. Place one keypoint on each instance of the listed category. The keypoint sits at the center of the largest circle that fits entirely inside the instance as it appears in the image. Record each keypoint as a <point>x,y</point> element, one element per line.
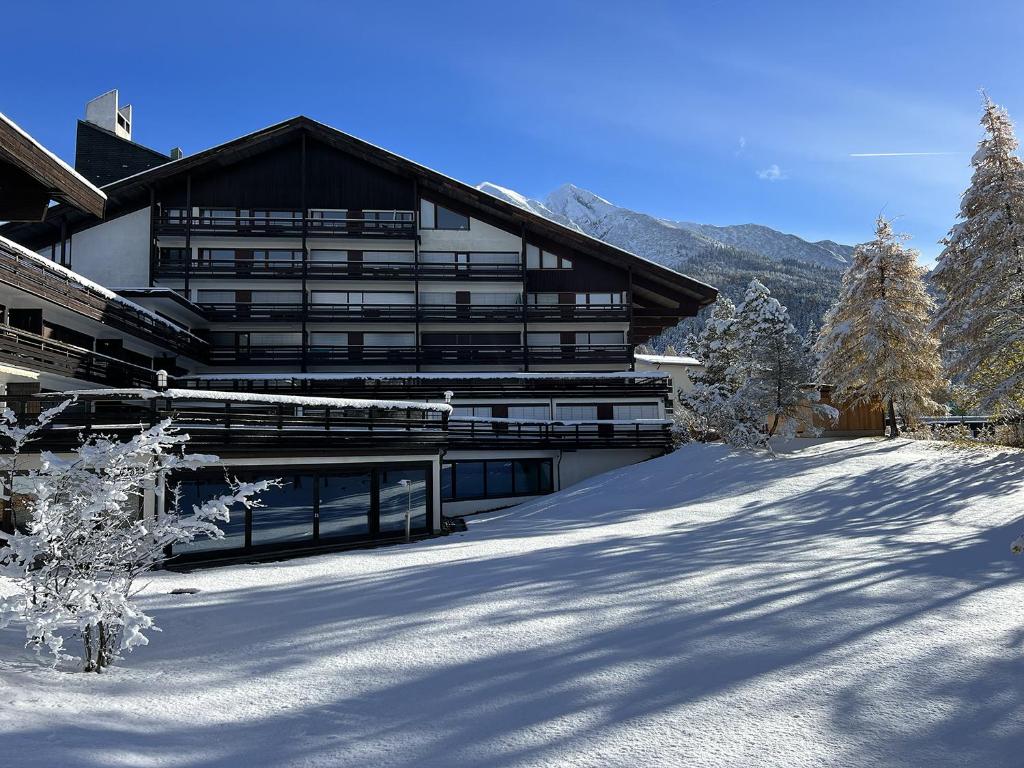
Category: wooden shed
<point>861,420</point>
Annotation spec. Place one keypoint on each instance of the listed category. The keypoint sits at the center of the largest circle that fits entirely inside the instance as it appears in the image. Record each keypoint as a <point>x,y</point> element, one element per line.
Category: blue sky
<point>721,113</point>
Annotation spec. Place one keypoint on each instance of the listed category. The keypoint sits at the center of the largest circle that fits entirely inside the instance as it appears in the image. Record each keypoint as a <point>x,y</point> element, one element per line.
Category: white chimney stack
<point>104,112</point>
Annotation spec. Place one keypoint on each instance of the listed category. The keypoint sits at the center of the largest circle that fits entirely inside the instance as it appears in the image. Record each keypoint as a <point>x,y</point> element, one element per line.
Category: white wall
<point>479,237</point>
<point>115,253</point>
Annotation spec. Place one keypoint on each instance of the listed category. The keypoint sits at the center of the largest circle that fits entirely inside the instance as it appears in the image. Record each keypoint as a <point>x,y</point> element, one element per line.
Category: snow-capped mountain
<point>665,241</point>
<point>803,275</point>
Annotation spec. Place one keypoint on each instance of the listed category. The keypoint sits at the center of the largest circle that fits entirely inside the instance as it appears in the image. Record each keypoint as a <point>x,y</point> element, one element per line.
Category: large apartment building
<point>341,317</point>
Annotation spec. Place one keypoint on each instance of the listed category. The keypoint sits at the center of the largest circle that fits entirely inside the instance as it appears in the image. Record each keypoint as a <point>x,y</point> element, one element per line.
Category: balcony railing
<point>173,268</point>
<point>581,353</point>
<point>401,226</point>
<point>583,312</point>
<point>34,277</point>
<point>244,427</point>
<point>478,354</point>
<point>28,350</point>
<point>314,355</point>
<point>508,433</point>
<point>482,312</point>
<point>270,312</point>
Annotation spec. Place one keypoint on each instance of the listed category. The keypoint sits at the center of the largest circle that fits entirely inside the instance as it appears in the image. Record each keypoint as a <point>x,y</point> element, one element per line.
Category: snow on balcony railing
<point>249,397</point>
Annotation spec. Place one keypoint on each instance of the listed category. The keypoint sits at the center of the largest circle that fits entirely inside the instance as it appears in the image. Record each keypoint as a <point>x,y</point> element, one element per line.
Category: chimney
<point>176,153</point>
<point>104,112</point>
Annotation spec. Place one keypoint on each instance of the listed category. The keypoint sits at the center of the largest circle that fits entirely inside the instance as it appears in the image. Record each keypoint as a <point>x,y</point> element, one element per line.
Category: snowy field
<point>850,603</point>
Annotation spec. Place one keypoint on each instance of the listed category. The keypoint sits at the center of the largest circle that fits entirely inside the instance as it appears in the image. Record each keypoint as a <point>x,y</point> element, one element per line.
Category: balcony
<point>314,355</point>
<point>28,350</point>
<point>477,354</point>
<point>223,422</point>
<point>335,313</point>
<point>173,268</point>
<point>372,225</point>
<point>487,313</point>
<point>574,312</point>
<point>512,434</point>
<point>582,353</point>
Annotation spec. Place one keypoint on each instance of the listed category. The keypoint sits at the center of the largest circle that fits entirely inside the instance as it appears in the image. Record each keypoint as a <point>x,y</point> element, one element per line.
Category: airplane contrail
<point>899,154</point>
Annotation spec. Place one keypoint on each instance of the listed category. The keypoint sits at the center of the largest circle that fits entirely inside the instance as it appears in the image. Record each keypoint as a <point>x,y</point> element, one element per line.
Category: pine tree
<point>772,368</point>
<point>980,270</point>
<point>876,344</point>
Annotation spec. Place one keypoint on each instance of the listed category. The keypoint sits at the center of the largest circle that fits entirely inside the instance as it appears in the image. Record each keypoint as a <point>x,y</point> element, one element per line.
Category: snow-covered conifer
<point>876,344</point>
<point>981,270</point>
<point>74,569</point>
<point>771,368</point>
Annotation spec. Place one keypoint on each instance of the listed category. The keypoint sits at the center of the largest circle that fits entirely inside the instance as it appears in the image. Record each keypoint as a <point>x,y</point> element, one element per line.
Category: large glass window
<point>345,505</point>
<point>538,258</point>
<point>574,412</point>
<point>495,479</point>
<point>197,492</point>
<point>631,411</point>
<point>433,216</point>
<point>402,491</point>
<point>286,514</point>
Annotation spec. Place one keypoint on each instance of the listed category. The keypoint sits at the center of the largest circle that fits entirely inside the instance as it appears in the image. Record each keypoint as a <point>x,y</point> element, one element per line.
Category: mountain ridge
<point>803,275</point>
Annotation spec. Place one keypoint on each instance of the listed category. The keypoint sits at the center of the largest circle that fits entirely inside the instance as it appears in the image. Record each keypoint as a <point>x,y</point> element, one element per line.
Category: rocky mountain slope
<point>803,275</point>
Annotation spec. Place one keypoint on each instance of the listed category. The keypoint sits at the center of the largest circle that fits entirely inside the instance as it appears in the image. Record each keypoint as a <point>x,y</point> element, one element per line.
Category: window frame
<point>539,461</point>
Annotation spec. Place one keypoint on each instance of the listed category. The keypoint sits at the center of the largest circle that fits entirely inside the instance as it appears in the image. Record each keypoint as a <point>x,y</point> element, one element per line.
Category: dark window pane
<point>287,513</point>
<point>446,482</point>
<point>450,220</point>
<point>527,480</point>
<point>469,479</point>
<point>195,493</point>
<point>499,478</point>
<point>545,484</point>
<point>397,497</point>
<point>345,506</point>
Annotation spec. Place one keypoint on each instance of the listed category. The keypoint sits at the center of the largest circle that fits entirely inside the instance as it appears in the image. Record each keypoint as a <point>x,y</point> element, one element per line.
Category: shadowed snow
<point>848,603</point>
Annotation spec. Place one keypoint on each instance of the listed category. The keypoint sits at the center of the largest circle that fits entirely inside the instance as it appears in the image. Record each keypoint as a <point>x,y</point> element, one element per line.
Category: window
<point>328,339</point>
<point>215,297</point>
<point>538,412</point>
<point>265,338</point>
<point>495,479</point>
<point>545,339</point>
<point>387,257</point>
<point>276,297</point>
<point>573,412</point>
<point>536,258</point>
<point>632,411</point>
<point>385,339</point>
<point>596,338</point>
<point>216,255</point>
<point>403,492</point>
<point>320,254</point>
<point>286,512</point>
<point>196,492</point>
<point>433,216</point>
<point>479,411</point>
<point>598,299</point>
<point>345,505</point>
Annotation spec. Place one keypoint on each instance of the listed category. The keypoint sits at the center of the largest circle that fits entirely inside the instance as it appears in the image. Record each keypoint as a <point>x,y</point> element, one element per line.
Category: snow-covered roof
<point>469,375</point>
<point>667,359</point>
<point>92,187</point>
<point>252,397</point>
<point>89,285</point>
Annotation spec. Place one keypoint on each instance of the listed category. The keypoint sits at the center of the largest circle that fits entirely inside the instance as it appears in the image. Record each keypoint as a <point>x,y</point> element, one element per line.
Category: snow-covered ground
<point>849,603</point>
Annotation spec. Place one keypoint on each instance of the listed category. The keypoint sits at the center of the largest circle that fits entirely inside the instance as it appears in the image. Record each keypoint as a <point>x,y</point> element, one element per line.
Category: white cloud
<point>772,173</point>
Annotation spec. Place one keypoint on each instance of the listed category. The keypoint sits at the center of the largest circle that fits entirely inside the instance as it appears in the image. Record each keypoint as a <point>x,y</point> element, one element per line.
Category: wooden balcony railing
<point>581,353</point>
<point>582,312</point>
<point>173,268</point>
<point>401,226</point>
<point>270,312</point>
<point>33,352</point>
<point>245,427</point>
<point>507,433</point>
<point>314,355</point>
<point>36,278</point>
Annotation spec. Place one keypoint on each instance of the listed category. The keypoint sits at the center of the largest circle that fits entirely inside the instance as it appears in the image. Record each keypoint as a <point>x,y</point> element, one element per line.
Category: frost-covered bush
<point>72,571</point>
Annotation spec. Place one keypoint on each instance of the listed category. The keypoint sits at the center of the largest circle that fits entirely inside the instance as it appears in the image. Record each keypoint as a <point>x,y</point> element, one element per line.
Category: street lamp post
<point>407,484</point>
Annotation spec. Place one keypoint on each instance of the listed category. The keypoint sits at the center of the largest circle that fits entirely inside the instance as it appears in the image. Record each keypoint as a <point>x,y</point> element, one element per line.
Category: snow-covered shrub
<point>72,572</point>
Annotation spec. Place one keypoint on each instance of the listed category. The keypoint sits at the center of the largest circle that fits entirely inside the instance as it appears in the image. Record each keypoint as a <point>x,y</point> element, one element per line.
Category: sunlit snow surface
<point>849,603</point>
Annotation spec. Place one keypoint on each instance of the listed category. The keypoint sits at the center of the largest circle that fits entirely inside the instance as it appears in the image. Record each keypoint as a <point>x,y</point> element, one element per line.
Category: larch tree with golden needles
<point>876,344</point>
<point>981,272</point>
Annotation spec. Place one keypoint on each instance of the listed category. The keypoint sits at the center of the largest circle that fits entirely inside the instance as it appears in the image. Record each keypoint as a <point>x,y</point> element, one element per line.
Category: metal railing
<point>402,226</point>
